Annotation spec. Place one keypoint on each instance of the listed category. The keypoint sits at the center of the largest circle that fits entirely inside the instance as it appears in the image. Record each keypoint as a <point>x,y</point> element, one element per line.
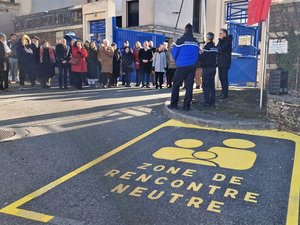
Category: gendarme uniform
<point>209,62</point>
<point>185,53</point>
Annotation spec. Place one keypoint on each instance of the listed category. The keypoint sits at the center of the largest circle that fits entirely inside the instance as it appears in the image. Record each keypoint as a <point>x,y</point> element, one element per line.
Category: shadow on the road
<point>85,94</point>
<point>127,96</point>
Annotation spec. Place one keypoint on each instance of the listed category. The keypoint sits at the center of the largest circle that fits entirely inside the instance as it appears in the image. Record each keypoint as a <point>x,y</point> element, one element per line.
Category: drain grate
<point>5,134</point>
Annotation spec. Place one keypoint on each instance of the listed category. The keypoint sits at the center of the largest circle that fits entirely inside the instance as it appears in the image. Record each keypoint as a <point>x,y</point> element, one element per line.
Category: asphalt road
<point>116,160</point>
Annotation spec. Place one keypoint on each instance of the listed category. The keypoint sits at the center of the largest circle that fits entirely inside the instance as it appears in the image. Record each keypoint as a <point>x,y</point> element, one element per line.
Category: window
<point>119,21</point>
<point>197,16</point>
<point>133,13</point>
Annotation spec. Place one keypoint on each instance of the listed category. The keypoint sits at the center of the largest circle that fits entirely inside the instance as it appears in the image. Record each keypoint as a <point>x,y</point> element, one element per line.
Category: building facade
<point>8,11</point>
<point>88,19</point>
<point>168,17</point>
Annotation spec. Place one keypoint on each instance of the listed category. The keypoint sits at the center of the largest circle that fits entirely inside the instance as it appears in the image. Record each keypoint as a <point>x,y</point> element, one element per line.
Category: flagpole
<point>264,60</point>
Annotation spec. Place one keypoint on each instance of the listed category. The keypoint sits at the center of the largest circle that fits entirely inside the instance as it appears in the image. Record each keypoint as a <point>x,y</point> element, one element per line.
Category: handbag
<point>74,61</point>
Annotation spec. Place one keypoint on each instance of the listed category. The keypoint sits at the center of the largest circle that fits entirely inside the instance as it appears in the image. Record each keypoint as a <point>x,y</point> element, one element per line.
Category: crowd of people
<point>180,64</point>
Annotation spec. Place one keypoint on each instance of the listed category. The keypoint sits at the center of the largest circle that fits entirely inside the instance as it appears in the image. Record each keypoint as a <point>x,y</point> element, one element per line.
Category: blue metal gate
<point>122,35</point>
<point>97,30</point>
<point>245,44</point>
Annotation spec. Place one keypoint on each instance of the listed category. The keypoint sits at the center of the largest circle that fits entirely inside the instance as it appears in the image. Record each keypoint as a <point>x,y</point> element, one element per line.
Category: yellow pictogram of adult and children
<point>235,154</point>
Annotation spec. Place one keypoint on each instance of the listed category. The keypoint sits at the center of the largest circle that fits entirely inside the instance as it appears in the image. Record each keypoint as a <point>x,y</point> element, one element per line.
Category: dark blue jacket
<point>209,56</point>
<point>225,49</point>
<point>186,50</point>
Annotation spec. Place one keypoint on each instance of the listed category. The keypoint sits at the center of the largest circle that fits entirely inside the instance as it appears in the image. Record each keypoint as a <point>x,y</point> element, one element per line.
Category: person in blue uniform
<point>208,60</point>
<point>185,53</point>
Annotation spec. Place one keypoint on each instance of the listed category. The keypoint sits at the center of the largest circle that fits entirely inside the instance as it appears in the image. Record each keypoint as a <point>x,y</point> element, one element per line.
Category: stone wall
<point>285,111</point>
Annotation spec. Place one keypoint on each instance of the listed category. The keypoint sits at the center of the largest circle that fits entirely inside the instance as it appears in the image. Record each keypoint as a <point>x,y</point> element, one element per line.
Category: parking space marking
<point>293,205</point>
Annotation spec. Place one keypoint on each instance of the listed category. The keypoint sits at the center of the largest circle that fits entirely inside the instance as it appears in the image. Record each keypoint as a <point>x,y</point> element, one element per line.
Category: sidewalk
<point>240,111</point>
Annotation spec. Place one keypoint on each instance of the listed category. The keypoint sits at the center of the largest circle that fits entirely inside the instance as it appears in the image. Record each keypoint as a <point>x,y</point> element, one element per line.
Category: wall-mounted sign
<point>245,40</point>
<point>277,46</point>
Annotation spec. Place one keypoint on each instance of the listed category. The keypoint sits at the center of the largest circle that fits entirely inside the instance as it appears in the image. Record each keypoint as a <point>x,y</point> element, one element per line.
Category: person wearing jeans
<point>13,59</point>
<point>5,51</point>
<point>185,53</point>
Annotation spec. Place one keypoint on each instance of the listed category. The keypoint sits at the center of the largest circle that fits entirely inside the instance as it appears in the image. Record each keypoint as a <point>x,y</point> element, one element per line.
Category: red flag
<point>265,10</point>
<point>258,11</point>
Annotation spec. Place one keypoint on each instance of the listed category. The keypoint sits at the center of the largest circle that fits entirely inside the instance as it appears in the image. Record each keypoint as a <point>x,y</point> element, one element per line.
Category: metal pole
<point>179,15</point>
<point>203,9</point>
<point>264,61</point>
<point>297,75</point>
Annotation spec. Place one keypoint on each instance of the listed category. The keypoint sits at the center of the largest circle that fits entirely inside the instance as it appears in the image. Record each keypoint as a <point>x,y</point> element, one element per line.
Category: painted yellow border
<point>293,205</point>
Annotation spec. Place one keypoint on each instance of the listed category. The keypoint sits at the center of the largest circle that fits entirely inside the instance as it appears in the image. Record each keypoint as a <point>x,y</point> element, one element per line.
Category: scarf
<point>51,53</point>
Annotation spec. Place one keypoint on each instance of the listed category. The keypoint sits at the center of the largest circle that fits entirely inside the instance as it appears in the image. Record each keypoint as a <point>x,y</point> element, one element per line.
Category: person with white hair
<point>105,57</point>
<point>4,62</point>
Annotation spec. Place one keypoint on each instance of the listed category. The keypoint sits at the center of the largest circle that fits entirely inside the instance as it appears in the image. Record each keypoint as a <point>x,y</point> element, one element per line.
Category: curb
<point>207,121</point>
<point>19,133</point>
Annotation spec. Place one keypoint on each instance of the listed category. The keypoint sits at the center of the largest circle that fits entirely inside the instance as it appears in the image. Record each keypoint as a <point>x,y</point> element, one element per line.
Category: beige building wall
<point>25,7</point>
<point>8,11</point>
<point>103,9</point>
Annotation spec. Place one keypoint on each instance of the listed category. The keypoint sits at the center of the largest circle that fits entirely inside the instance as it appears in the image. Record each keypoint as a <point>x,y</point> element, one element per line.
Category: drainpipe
<point>179,14</point>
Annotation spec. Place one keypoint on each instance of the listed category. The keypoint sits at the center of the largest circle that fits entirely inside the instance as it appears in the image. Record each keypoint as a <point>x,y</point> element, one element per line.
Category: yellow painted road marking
<point>293,205</point>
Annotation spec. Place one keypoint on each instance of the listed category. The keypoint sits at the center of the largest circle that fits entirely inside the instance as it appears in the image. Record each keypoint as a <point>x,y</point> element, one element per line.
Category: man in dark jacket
<point>185,53</point>
<point>224,60</point>
<point>35,47</point>
<point>145,56</point>
<point>63,55</point>
<point>208,60</point>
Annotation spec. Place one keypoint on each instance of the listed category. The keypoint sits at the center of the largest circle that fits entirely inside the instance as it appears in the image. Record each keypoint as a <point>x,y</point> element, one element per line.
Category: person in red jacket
<point>78,65</point>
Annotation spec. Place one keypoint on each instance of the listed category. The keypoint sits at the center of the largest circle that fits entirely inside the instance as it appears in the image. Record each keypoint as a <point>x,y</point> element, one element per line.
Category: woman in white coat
<point>160,65</point>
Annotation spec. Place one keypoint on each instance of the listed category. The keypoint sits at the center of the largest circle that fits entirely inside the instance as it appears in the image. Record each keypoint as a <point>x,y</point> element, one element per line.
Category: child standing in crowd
<point>78,64</point>
<point>160,65</point>
<point>127,65</point>
<point>47,60</point>
<point>93,68</point>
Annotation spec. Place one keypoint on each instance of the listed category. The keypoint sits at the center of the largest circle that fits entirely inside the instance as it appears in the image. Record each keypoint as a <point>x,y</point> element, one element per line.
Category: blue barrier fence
<point>121,35</point>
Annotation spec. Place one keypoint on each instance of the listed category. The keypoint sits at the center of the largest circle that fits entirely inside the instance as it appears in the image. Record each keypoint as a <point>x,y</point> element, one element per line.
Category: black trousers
<point>159,78</point>
<point>137,77</point>
<point>223,76</point>
<point>63,75</point>
<point>77,79</point>
<point>22,74</point>
<point>108,79</point>
<point>208,85</point>
<point>186,74</point>
<point>3,80</point>
<point>170,76</point>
